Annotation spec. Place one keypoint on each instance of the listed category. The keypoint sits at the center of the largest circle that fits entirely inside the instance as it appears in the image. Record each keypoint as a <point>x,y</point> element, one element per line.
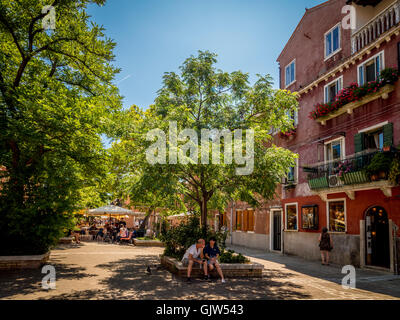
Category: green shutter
<point>359,142</point>
<point>388,134</point>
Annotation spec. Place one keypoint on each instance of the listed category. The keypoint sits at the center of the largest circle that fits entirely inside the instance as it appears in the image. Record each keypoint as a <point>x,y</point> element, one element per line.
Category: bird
<point>148,270</point>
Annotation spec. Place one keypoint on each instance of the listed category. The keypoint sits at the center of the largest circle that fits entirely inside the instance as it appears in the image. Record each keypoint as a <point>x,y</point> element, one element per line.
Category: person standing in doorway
<point>325,245</point>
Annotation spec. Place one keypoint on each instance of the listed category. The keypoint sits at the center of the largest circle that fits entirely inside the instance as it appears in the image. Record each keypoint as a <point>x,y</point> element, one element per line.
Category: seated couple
<point>205,256</point>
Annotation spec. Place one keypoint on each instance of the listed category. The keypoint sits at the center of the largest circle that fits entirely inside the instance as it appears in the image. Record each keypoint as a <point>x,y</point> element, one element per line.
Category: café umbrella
<point>111,211</point>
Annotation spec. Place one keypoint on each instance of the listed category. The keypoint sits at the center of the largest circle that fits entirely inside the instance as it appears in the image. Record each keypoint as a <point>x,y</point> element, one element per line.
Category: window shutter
<point>327,94</point>
<point>388,134</point>
<point>359,142</point>
<point>251,220</point>
<point>245,220</point>
<point>361,74</point>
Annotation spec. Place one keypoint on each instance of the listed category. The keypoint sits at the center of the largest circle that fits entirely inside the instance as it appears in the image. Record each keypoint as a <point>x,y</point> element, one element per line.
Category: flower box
<point>348,108</point>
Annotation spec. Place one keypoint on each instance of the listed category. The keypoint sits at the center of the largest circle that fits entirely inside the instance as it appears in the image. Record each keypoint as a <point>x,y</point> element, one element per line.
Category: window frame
<point>294,75</point>
<point>297,216</point>
<point>382,66</point>
<point>330,83</point>
<point>342,148</point>
<point>345,215</point>
<point>340,41</point>
<point>295,173</point>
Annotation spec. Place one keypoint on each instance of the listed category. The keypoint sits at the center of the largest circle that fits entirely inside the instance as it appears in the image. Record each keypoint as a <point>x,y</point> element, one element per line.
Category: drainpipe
<point>396,268</point>
<point>231,220</point>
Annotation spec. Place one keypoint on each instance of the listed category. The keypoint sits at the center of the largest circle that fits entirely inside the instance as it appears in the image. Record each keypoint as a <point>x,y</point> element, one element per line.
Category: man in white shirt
<point>192,255</point>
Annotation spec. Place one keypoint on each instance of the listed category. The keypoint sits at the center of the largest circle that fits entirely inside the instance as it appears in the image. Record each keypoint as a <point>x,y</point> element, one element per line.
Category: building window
<point>371,69</point>
<point>332,41</point>
<point>334,150</point>
<point>245,220</point>
<point>332,89</point>
<point>290,73</point>
<point>337,216</point>
<point>293,117</point>
<point>291,216</point>
<point>292,176</point>
<point>374,140</point>
<point>375,137</point>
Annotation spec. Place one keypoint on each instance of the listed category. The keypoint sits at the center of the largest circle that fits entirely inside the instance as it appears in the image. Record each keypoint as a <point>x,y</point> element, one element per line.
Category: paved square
<point>105,271</point>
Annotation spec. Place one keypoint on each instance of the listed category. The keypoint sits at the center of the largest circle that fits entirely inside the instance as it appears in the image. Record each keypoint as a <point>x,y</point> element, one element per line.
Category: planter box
<point>357,177</point>
<point>348,108</point>
<point>148,243</point>
<point>23,262</point>
<point>319,183</point>
<point>245,270</point>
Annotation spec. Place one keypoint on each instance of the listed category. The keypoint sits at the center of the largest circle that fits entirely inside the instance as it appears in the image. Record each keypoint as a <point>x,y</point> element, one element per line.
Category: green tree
<point>55,97</point>
<point>202,97</point>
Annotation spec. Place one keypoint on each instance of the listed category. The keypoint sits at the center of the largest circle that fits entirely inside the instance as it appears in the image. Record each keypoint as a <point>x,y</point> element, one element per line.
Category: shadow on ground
<point>28,281</point>
<point>129,280</point>
<point>368,280</point>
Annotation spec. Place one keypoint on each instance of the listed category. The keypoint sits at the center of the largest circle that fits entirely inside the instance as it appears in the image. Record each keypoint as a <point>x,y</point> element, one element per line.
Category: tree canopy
<point>56,94</point>
<point>202,97</point>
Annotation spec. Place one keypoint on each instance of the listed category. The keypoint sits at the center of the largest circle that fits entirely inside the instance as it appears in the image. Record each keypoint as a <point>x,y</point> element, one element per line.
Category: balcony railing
<point>334,174</point>
<point>382,23</point>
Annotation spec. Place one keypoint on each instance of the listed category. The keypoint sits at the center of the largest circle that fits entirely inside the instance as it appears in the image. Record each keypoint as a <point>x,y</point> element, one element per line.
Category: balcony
<point>348,175</point>
<point>375,22</point>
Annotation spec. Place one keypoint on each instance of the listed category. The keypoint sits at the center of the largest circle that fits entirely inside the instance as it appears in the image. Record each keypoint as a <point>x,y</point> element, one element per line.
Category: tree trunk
<point>203,208</point>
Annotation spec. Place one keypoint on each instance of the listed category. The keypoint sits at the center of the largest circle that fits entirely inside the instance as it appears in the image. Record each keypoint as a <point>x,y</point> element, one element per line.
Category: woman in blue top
<point>212,253</point>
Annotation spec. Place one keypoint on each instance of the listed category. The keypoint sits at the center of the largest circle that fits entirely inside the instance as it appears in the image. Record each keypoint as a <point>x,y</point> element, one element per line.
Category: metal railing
<point>383,22</point>
<point>340,172</point>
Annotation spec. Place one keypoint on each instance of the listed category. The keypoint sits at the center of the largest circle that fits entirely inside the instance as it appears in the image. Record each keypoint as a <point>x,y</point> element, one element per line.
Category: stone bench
<point>23,262</point>
<point>148,243</point>
<point>234,270</point>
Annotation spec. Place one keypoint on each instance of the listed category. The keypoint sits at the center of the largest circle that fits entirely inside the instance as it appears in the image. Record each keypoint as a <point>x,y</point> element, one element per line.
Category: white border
<point>294,60</point>
<point>345,214</point>
<point>340,42</point>
<point>368,60</point>
<point>327,85</point>
<point>377,126</point>
<point>297,216</point>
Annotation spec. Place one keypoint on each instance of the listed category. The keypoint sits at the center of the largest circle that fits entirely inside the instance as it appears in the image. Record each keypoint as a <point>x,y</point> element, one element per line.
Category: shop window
<point>291,217</point>
<point>337,215</point>
<point>309,217</point>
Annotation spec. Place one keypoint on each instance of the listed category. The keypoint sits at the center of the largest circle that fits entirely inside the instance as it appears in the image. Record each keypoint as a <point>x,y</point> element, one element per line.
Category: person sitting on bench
<point>212,252</point>
<point>192,255</point>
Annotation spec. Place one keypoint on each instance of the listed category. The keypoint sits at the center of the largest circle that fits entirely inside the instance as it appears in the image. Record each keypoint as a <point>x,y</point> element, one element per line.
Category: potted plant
<point>379,166</point>
<point>387,147</point>
<point>394,173</point>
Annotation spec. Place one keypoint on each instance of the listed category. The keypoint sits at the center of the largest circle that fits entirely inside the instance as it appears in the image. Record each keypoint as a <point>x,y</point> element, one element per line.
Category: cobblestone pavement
<point>106,271</point>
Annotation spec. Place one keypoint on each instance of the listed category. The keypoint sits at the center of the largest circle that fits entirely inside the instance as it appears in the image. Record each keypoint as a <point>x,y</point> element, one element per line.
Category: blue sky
<point>156,36</point>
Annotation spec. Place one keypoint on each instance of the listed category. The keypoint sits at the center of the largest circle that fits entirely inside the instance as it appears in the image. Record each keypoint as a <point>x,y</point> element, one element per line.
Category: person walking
<point>325,245</point>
